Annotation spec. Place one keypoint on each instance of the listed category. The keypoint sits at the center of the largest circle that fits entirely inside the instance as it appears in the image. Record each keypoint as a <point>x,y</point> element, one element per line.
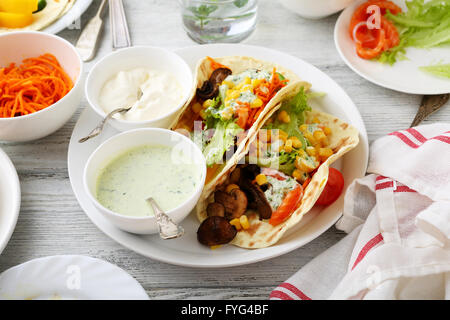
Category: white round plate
<point>404,76</point>
<point>79,7</point>
<point>69,277</point>
<point>9,199</point>
<point>186,251</point>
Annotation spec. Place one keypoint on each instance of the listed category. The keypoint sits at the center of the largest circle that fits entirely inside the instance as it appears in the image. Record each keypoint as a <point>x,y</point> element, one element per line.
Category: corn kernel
<point>296,143</point>
<point>231,187</point>
<point>257,103</point>
<point>320,137</point>
<point>304,165</point>
<point>325,153</point>
<point>297,174</point>
<point>234,95</point>
<point>207,103</point>
<point>327,131</point>
<point>215,247</point>
<point>202,114</point>
<point>311,138</point>
<point>256,82</point>
<point>283,116</point>
<point>302,153</point>
<point>311,151</point>
<point>247,80</point>
<point>236,223</point>
<point>316,120</point>
<point>244,222</point>
<point>303,128</point>
<point>229,84</point>
<point>261,179</point>
<point>288,146</point>
<point>197,107</point>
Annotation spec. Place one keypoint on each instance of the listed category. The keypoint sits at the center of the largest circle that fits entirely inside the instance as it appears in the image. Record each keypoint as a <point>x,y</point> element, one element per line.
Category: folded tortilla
<point>261,233</point>
<point>52,12</point>
<point>237,64</point>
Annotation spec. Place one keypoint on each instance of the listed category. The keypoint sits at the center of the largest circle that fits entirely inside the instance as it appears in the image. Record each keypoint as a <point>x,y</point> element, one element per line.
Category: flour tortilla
<point>261,234</point>
<point>45,17</point>
<point>238,64</point>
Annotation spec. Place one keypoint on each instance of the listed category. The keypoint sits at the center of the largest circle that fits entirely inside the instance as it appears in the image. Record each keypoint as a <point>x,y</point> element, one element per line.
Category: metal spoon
<point>98,129</point>
<point>167,228</point>
<point>429,104</point>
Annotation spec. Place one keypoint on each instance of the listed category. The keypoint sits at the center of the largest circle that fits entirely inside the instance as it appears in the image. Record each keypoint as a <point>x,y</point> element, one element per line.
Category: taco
<point>49,11</point>
<point>278,178</point>
<point>232,95</point>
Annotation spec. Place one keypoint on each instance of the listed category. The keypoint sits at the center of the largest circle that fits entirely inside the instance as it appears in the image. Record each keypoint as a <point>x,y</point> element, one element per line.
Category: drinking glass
<point>211,21</point>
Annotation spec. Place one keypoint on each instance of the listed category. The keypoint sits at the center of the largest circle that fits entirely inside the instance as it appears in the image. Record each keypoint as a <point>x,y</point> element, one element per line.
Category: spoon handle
<point>429,104</point>
<point>98,129</point>
<point>167,228</point>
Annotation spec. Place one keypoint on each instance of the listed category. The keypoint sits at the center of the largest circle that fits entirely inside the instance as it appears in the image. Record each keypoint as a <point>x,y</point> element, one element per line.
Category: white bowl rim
<point>169,212</point>
<point>75,85</point>
<point>17,192</point>
<point>102,113</point>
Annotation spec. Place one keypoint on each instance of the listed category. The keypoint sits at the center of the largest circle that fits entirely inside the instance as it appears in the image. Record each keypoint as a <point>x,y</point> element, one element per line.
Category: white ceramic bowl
<point>15,47</point>
<point>138,57</point>
<point>315,9</point>
<point>119,144</point>
<point>9,199</point>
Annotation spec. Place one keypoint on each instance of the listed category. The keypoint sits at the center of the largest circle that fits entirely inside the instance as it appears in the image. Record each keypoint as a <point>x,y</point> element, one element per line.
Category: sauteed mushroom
<point>215,230</point>
<point>235,203</point>
<point>210,87</point>
<point>256,197</point>
<point>215,209</point>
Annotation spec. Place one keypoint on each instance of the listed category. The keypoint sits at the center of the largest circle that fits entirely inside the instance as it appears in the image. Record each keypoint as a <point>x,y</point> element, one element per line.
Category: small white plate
<point>69,277</point>
<point>79,7</point>
<point>9,199</point>
<point>403,76</point>
<point>187,251</point>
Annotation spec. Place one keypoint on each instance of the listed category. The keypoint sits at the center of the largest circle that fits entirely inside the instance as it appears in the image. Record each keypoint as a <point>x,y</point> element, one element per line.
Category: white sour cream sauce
<point>161,94</point>
<point>164,173</point>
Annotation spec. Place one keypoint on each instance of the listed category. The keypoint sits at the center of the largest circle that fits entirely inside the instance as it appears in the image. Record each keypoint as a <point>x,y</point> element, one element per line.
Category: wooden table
<point>51,222</point>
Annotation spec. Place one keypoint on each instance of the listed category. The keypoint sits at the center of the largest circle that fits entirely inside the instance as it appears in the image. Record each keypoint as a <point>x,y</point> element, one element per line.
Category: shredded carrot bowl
<point>40,84</point>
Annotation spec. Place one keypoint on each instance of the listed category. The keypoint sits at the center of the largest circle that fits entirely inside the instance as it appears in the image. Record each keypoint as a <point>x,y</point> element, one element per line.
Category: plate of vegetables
<point>400,45</point>
<point>50,16</point>
<point>326,96</point>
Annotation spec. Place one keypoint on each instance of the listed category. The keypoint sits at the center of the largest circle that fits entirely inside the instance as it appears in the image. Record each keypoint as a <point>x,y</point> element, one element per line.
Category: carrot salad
<point>34,85</point>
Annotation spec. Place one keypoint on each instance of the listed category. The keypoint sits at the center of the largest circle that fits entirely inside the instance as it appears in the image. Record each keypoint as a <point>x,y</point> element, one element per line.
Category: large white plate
<point>79,7</point>
<point>9,199</point>
<point>187,251</point>
<point>69,277</point>
<point>403,76</point>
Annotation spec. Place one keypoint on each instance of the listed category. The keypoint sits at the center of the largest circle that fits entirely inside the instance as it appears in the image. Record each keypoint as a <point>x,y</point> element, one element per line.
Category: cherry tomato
<point>333,188</point>
<point>287,207</point>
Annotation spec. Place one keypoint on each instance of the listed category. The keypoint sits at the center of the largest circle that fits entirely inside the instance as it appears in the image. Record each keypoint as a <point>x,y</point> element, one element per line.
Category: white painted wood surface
<point>51,222</point>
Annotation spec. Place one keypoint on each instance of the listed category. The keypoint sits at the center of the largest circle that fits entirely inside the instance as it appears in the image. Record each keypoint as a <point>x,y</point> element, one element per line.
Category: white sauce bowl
<point>125,141</point>
<point>17,46</point>
<point>138,57</point>
<point>315,9</point>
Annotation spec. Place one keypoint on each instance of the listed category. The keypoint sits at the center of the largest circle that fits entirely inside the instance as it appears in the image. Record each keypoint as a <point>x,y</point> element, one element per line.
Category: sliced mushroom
<point>210,87</point>
<point>215,230</point>
<point>235,203</point>
<point>256,198</point>
<point>215,209</point>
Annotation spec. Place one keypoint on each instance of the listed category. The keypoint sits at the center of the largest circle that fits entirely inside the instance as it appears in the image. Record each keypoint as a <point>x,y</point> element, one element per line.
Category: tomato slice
<point>333,188</point>
<point>287,207</point>
<point>361,14</point>
<point>370,53</point>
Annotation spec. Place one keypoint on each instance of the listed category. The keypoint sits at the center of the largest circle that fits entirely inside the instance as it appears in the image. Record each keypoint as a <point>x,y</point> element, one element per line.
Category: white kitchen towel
<point>398,224</point>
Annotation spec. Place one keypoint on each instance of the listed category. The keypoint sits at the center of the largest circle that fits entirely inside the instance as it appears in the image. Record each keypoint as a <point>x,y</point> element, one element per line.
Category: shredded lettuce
<point>296,108</point>
<point>423,25</point>
<point>442,70</point>
<point>222,140</point>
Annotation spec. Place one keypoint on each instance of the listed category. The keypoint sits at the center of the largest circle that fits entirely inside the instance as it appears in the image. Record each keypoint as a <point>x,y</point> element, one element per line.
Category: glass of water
<point>210,21</point>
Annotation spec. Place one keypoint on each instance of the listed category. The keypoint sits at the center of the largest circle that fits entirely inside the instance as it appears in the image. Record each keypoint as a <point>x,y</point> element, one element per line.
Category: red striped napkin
<point>398,224</point>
